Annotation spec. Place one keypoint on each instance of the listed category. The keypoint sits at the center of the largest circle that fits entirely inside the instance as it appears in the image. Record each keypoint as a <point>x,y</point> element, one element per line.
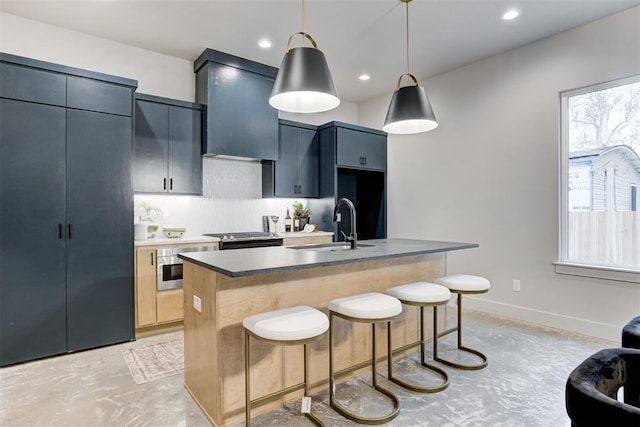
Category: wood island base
<point>213,335</point>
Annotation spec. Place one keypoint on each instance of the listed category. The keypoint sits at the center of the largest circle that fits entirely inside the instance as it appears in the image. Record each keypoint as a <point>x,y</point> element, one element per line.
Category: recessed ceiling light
<point>364,77</point>
<point>265,44</point>
<point>511,14</point>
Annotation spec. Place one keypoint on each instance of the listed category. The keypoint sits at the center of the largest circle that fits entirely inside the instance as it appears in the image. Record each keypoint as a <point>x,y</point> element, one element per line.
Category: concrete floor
<point>523,385</point>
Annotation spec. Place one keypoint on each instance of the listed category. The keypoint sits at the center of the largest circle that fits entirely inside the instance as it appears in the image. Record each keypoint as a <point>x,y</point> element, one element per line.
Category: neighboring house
<point>604,180</point>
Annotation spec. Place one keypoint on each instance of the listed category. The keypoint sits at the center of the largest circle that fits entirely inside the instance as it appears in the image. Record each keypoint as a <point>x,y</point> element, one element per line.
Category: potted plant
<point>301,212</point>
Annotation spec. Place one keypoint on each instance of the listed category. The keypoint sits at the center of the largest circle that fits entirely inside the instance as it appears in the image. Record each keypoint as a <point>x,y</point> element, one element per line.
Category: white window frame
<point>564,265</point>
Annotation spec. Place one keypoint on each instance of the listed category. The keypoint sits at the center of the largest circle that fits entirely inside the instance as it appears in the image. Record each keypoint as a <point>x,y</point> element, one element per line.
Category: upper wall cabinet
<point>296,172</point>
<point>236,91</point>
<point>360,147</point>
<point>167,146</point>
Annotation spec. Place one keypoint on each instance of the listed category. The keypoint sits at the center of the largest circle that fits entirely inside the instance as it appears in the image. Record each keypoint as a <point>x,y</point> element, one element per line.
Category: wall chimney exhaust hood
<point>239,122</point>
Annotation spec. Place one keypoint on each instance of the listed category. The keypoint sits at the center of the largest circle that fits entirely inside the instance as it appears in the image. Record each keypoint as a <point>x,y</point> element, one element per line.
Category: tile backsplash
<point>231,201</point>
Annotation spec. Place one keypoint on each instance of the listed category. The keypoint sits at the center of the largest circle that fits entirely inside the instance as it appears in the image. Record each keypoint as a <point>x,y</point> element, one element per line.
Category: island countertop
<point>254,261</point>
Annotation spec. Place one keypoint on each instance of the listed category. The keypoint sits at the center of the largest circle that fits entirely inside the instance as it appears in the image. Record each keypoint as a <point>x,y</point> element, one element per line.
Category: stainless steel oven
<point>170,266</point>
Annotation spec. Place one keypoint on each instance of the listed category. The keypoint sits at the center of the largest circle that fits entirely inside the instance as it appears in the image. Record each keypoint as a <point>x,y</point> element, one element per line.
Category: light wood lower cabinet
<point>153,307</point>
<point>170,305</point>
<point>146,276</point>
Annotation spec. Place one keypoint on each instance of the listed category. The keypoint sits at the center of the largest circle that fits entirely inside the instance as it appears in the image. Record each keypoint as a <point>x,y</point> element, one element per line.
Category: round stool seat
<point>289,324</point>
<point>421,292</point>
<point>464,283</point>
<point>372,305</point>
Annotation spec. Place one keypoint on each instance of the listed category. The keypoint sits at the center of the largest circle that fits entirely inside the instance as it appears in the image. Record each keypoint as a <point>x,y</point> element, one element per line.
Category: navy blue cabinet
<point>33,85</point>
<point>32,214</point>
<point>236,91</point>
<point>361,149</point>
<point>296,172</point>
<point>168,144</point>
<point>66,210</point>
<point>353,163</point>
<point>99,229</point>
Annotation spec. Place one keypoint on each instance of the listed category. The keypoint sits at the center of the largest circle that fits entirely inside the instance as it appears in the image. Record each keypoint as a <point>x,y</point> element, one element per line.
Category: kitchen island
<point>222,288</point>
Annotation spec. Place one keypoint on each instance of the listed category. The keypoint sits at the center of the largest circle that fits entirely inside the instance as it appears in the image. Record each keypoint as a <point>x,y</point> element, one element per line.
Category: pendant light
<point>410,110</point>
<point>304,83</point>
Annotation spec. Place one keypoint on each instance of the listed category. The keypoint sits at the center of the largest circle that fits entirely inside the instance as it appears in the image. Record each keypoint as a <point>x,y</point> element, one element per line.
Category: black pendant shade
<point>409,112</point>
<point>304,83</point>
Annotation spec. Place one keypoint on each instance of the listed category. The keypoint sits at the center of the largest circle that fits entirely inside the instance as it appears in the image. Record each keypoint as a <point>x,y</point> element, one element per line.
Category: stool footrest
<point>353,368</point>
<point>415,388</point>
<point>275,395</point>
<point>463,366</point>
<point>447,331</point>
<point>368,420</point>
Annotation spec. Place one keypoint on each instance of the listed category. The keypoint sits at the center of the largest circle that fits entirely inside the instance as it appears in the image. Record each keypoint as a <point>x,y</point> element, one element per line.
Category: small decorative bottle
<point>287,222</point>
<point>296,223</point>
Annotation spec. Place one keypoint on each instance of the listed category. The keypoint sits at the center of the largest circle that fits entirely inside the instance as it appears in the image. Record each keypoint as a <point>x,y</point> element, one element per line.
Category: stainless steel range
<point>245,240</point>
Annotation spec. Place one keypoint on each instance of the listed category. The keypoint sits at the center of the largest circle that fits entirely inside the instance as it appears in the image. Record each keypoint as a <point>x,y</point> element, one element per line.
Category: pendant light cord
<point>304,29</point>
<point>408,60</point>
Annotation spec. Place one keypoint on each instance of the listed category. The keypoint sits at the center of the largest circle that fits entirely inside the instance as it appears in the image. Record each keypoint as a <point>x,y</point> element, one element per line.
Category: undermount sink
<point>330,247</point>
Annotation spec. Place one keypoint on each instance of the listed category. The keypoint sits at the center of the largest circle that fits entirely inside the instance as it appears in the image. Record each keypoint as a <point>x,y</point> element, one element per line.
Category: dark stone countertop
<point>255,261</point>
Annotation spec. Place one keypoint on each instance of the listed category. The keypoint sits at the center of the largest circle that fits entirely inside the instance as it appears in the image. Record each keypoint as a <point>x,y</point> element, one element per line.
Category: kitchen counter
<point>207,239</point>
<point>223,288</point>
<point>175,241</point>
<point>250,262</point>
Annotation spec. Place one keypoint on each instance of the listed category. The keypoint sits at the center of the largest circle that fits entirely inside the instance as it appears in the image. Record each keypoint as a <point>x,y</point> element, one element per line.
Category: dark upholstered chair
<point>631,334</point>
<point>592,389</point>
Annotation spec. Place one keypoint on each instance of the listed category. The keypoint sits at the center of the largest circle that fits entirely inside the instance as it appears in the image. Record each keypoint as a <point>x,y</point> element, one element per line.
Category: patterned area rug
<point>155,361</point>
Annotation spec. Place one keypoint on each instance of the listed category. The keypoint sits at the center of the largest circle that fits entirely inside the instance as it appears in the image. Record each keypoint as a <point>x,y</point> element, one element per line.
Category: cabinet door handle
<point>164,184</point>
<point>365,161</point>
<point>60,231</point>
<point>151,258</point>
<point>171,184</point>
<point>69,231</point>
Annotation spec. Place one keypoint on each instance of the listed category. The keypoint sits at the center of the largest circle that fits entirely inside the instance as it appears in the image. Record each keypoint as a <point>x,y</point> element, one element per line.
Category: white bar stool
<point>290,326</point>
<point>462,284</point>
<point>370,308</point>
<point>420,294</point>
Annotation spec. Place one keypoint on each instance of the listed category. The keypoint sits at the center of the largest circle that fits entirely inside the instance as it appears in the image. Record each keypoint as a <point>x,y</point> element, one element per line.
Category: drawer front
<point>170,305</point>
<point>93,95</point>
<point>32,85</point>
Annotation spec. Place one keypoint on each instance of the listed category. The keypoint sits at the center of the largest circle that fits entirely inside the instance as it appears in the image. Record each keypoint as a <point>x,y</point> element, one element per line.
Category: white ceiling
<point>356,35</point>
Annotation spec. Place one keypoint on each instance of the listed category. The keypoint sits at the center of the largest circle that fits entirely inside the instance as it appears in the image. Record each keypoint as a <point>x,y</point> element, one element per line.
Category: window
<point>600,174</point>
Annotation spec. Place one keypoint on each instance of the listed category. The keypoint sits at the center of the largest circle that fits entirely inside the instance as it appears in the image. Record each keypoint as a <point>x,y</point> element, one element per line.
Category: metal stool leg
<point>247,381</point>
<point>421,343</point>
<point>341,409</point>
<point>458,328</point>
<point>247,376</point>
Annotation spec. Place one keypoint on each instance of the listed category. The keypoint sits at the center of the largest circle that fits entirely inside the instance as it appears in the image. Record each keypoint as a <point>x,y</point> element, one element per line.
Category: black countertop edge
<point>282,269</point>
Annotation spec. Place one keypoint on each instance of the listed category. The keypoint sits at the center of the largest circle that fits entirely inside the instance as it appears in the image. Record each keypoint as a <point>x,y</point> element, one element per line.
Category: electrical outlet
<point>338,217</point>
<point>197,304</point>
<point>516,285</point>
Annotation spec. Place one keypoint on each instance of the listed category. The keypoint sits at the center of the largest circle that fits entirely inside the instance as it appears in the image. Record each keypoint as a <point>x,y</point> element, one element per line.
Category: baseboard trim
<point>554,320</point>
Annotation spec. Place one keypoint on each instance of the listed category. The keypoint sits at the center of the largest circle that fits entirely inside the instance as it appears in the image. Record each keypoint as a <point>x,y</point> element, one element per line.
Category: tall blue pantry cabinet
<point>66,209</point>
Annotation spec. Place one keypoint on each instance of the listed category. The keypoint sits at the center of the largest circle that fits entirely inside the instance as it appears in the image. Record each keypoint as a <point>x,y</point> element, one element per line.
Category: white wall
<point>489,174</point>
<point>156,73</point>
